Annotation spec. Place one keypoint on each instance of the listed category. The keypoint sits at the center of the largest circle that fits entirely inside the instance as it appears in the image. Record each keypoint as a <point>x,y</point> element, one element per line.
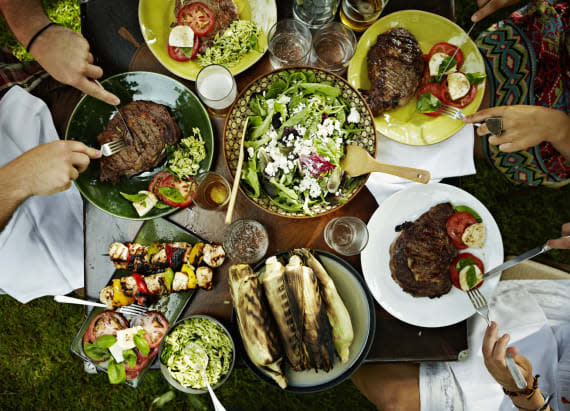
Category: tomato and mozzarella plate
<point>466,271</point>
<point>194,20</point>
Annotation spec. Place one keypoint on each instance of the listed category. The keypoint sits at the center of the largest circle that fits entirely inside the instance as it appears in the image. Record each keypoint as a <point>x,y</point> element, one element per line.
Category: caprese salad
<point>194,21</point>
<point>445,81</point>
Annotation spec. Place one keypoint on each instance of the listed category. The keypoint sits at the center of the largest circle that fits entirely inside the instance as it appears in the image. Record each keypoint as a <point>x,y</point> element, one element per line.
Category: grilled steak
<point>225,12</point>
<point>395,68</point>
<point>421,254</point>
<point>152,128</point>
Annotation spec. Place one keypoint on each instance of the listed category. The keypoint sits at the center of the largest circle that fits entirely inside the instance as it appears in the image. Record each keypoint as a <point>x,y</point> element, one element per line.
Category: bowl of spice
<point>246,241</point>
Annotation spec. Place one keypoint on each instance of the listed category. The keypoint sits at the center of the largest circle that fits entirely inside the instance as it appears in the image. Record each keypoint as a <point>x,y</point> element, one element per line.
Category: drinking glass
<point>246,241</point>
<point>315,13</point>
<point>217,88</point>
<point>289,44</point>
<point>211,191</point>
<point>333,47</point>
<point>346,235</point>
<point>359,14</point>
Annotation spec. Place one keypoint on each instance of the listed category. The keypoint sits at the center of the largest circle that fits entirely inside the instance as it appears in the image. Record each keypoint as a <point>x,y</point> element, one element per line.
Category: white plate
<point>408,205</point>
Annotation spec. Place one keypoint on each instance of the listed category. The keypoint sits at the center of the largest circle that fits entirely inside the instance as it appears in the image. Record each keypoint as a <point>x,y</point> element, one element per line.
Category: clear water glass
<point>346,235</point>
<point>216,87</point>
<point>315,13</point>
<point>333,47</point>
<point>289,44</point>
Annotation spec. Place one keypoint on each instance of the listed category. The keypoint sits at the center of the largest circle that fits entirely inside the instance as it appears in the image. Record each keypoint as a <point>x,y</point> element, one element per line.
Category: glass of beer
<point>211,191</point>
<point>217,88</point>
<point>360,14</point>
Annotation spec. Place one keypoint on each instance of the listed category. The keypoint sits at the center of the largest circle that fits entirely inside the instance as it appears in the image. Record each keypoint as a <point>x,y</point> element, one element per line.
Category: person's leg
<point>393,387</point>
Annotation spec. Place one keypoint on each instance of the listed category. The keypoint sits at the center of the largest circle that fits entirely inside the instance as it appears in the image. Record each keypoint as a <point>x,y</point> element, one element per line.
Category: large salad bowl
<point>335,92</point>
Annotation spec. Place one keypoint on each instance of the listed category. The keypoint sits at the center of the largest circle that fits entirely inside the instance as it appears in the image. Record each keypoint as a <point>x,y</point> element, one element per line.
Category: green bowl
<point>91,116</point>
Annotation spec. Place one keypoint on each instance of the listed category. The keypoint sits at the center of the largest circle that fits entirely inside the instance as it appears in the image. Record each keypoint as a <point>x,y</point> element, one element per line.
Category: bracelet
<point>527,392</point>
<point>549,398</point>
<point>40,31</point>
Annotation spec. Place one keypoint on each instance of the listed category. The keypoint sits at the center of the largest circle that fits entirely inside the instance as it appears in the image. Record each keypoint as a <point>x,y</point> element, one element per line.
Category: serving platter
<point>408,205</point>
<point>404,124</point>
<point>171,306</point>
<point>91,116</point>
<point>358,301</point>
<point>155,18</point>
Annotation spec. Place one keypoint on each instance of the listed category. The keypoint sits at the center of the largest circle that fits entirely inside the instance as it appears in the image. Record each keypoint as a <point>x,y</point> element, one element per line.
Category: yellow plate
<point>403,124</point>
<point>155,18</point>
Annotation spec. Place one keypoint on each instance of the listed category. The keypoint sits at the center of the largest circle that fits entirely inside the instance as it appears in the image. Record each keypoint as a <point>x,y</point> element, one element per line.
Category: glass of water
<point>289,44</point>
<point>217,88</point>
<point>333,47</point>
<point>315,13</point>
<point>346,235</point>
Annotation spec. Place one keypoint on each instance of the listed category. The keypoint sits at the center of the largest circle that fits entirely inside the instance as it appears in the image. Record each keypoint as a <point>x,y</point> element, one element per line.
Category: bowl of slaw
<point>175,360</point>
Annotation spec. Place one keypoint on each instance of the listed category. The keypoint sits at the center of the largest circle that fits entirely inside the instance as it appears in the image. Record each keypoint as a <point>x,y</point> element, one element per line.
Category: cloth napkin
<point>450,158</point>
<point>41,248</point>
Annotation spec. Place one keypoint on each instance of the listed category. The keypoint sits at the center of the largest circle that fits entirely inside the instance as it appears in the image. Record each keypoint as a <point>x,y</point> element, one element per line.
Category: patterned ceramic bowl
<point>240,111</point>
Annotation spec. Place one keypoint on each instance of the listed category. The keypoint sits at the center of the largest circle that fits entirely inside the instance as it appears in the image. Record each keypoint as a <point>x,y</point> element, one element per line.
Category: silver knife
<point>129,137</point>
<point>515,372</point>
<point>458,47</point>
<point>523,257</point>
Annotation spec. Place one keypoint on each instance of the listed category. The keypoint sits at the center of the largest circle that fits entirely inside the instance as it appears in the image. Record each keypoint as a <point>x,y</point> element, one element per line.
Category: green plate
<point>156,17</point>
<point>91,116</point>
<point>171,306</point>
<point>403,124</point>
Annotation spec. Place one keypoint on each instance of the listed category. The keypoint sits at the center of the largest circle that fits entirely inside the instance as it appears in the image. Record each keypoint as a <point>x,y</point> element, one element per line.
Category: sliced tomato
<point>433,88</point>
<point>155,182</point>
<point>198,16</point>
<point>460,103</point>
<point>454,273</point>
<point>456,225</point>
<point>448,49</point>
<point>183,188</point>
<point>106,322</point>
<point>142,362</point>
<point>177,54</point>
<point>155,326</point>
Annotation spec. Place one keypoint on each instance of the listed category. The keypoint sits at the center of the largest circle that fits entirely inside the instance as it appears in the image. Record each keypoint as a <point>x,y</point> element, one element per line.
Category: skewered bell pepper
<point>168,278</point>
<point>189,271</point>
<point>197,251</point>
<point>141,285</point>
<point>119,297</point>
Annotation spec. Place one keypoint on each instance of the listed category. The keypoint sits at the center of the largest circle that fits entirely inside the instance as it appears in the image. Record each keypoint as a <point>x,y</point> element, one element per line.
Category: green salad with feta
<point>212,338</point>
<point>295,141</point>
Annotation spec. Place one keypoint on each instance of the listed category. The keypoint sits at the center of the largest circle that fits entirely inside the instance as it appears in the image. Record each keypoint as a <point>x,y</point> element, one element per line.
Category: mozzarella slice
<point>181,36</point>
<point>458,85</point>
<point>474,235</point>
<point>144,206</point>
<point>117,352</point>
<point>125,338</point>
<point>434,63</point>
<point>463,277</point>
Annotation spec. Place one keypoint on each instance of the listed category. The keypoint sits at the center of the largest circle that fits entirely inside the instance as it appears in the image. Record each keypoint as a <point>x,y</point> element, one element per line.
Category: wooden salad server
<point>357,161</point>
<point>237,177</point>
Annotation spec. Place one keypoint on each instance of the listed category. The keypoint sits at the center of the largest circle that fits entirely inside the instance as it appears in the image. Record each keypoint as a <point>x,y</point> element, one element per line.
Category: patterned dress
<point>527,62</point>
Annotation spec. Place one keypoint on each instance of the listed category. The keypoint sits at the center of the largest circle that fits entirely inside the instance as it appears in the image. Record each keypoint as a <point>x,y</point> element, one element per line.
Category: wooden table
<point>394,341</point>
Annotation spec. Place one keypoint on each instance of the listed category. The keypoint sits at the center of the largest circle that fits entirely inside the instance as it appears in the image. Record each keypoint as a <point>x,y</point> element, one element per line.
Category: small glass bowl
<point>246,241</point>
<point>332,48</point>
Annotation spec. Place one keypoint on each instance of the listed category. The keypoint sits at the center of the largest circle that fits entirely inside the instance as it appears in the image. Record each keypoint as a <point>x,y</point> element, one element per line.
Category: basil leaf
<point>161,205</point>
<point>96,353</point>
<point>427,103</point>
<point>464,262</point>
<point>105,341</point>
<point>471,277</point>
<point>133,198</point>
<point>171,193</point>
<point>469,210</point>
<point>116,372</point>
<point>187,51</point>
<point>130,357</point>
<point>475,78</point>
<point>141,343</point>
<point>446,65</point>
<point>163,399</point>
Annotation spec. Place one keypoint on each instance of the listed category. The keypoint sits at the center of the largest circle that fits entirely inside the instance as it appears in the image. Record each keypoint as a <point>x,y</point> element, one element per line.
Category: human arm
<point>487,7</point>
<point>494,353</point>
<point>46,169</point>
<point>562,243</point>
<point>63,53</point>
<point>526,126</point>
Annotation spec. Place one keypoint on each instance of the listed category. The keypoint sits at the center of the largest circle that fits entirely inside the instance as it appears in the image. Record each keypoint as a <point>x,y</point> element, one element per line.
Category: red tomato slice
<point>454,274</point>
<point>456,225</point>
<point>142,361</point>
<point>155,182</point>
<point>433,88</point>
<point>460,103</point>
<point>183,188</point>
<point>154,325</point>
<point>177,54</point>
<point>106,322</point>
<point>198,16</point>
<point>448,49</point>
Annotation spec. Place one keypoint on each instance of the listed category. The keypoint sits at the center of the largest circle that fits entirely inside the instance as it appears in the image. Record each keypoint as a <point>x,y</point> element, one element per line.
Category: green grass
<point>39,372</point>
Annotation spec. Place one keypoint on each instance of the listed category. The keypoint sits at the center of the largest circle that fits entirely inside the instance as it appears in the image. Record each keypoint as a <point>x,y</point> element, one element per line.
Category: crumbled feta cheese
<point>300,129</point>
<point>270,102</point>
<point>300,107</point>
<point>328,127</point>
<point>303,147</point>
<point>271,169</point>
<point>250,152</point>
<point>353,116</point>
<point>284,99</point>
<point>311,184</point>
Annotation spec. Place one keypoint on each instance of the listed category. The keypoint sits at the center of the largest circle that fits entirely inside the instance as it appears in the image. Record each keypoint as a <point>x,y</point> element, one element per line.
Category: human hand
<point>487,7</point>
<point>65,55</point>
<point>49,168</point>
<point>562,243</point>
<point>495,352</point>
<point>524,126</point>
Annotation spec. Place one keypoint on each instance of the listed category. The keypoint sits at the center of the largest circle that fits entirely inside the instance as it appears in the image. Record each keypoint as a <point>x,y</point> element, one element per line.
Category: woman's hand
<point>495,352</point>
<point>526,126</point>
<point>487,7</point>
<point>562,243</point>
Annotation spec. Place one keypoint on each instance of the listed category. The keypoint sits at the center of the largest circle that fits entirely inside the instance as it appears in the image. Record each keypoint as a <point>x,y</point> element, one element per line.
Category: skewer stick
<point>237,177</point>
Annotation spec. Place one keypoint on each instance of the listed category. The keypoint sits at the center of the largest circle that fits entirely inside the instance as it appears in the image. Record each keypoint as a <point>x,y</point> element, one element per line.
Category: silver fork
<point>129,310</point>
<point>108,149</point>
<point>454,113</point>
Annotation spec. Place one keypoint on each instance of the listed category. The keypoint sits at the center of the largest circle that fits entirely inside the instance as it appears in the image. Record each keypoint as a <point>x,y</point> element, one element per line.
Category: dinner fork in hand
<point>108,149</point>
<point>480,304</point>
<point>454,113</point>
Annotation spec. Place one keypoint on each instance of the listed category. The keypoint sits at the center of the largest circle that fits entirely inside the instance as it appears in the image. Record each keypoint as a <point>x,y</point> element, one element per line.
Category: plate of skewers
<point>305,317</point>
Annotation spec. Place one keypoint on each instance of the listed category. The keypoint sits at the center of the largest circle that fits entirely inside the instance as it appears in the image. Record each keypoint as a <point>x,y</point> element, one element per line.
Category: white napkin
<point>41,248</point>
<point>450,158</point>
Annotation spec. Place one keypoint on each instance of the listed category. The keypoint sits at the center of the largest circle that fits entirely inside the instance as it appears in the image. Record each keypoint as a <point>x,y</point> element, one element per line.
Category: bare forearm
<point>533,403</point>
<point>12,191</point>
<point>25,17</point>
